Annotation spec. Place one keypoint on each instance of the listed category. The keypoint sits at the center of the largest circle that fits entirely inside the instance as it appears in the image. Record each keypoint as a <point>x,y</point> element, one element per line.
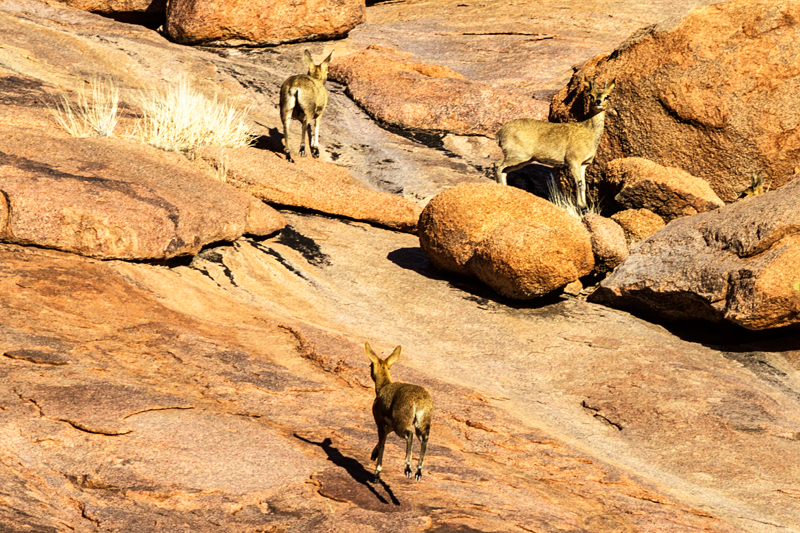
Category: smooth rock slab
<point>113,199</point>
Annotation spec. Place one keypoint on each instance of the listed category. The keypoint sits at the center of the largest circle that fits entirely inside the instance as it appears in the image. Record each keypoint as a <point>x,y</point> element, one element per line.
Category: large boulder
<point>517,243</point>
<point>399,91</point>
<point>668,192</point>
<point>114,199</point>
<point>311,184</point>
<point>711,93</point>
<point>740,263</point>
<point>261,22</point>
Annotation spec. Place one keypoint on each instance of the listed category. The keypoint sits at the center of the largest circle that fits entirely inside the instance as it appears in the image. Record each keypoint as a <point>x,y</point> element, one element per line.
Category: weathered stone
<point>668,192</point>
<point>671,108</point>
<point>740,263</point>
<point>524,260</point>
<point>517,243</point>
<point>609,244</point>
<point>397,90</point>
<point>116,199</point>
<point>262,22</point>
<point>152,13</point>
<point>638,224</point>
<point>311,184</point>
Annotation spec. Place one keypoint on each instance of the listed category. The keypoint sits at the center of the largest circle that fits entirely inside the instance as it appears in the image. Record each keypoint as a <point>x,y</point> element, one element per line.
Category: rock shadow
<point>728,337</point>
<point>357,473</point>
<point>474,290</point>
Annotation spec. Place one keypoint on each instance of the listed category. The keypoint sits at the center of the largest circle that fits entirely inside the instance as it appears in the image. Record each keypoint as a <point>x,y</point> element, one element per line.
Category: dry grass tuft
<point>567,201</point>
<point>181,119</point>
<point>88,117</point>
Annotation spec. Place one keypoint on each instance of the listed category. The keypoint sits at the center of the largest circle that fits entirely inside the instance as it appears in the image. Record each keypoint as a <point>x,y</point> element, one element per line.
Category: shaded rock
<point>671,108</point>
<point>109,198</point>
<point>609,244</point>
<point>740,263</point>
<point>526,259</point>
<point>260,23</point>
<point>517,243</point>
<point>311,184</point>
<point>668,192</point>
<point>151,13</point>
<point>638,224</point>
<point>394,88</point>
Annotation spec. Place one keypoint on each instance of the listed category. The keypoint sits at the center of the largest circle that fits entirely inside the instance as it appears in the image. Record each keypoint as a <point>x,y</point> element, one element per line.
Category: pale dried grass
<point>89,116</point>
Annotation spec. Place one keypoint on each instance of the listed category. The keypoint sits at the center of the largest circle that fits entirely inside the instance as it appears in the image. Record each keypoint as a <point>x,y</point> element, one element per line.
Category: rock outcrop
<point>150,13</point>
<point>114,199</point>
<point>517,243</point>
<point>638,224</point>
<point>740,263</point>
<point>710,93</point>
<point>262,22</point>
<point>669,192</point>
<point>397,90</point>
<point>311,184</point>
<point>609,244</point>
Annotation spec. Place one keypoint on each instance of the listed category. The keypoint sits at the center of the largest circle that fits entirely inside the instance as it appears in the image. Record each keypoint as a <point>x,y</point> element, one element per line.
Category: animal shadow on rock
<point>414,259</point>
<point>273,141</point>
<point>354,468</point>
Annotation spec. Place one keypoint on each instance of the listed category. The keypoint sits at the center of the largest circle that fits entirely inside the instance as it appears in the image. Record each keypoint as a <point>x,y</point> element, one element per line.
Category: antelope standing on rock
<point>304,98</point>
<point>406,409</point>
<point>572,144</point>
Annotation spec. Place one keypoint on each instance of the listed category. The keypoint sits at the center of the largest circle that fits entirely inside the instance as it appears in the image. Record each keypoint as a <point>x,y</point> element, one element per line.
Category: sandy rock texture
<point>262,22</point>
<point>707,93</point>
<point>609,245</point>
<point>518,244</point>
<point>311,184</point>
<point>396,90</point>
<point>638,224</point>
<point>740,263</point>
<point>669,192</point>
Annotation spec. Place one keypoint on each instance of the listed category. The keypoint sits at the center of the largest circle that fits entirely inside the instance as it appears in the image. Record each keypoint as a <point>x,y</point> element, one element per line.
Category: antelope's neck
<point>381,382</point>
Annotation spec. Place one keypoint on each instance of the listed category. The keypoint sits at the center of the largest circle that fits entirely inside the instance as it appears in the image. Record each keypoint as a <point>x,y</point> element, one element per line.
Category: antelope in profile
<point>404,408</point>
<point>304,98</point>
<point>572,144</point>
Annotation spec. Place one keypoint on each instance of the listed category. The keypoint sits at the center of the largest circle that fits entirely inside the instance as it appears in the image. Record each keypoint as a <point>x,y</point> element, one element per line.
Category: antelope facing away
<point>304,98</point>
<point>404,408</point>
<point>571,144</point>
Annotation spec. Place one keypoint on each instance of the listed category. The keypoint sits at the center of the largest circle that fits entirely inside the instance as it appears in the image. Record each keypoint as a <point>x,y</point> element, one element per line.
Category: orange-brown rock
<point>110,198</point>
<point>638,224</point>
<point>397,90</point>
<point>261,22</point>
<point>517,243</point>
<point>526,259</point>
<point>669,192</point>
<point>311,184</point>
<point>708,93</point>
<point>740,263</point>
<point>609,244</point>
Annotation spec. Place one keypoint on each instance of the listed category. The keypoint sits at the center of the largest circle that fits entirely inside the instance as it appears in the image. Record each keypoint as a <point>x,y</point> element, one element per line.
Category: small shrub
<point>86,117</point>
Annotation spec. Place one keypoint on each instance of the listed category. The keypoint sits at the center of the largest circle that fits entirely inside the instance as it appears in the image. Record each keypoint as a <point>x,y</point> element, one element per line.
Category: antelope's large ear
<point>611,85</point>
<point>370,353</point>
<point>394,357</point>
<point>327,60</point>
<point>309,61</point>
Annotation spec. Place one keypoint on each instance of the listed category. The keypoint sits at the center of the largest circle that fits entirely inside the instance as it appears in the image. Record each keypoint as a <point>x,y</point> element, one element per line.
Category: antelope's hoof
<point>302,150</point>
<point>584,211</point>
<point>418,475</point>
<point>408,471</point>
<point>377,477</point>
<point>288,156</point>
<point>315,152</point>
